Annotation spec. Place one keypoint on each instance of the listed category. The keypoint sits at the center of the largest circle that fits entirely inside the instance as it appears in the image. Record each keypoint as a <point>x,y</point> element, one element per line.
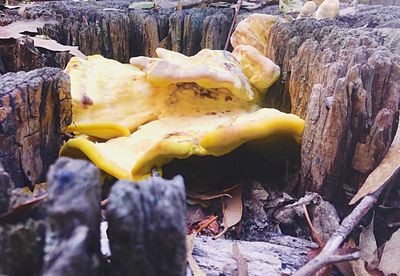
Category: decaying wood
<point>147,227</point>
<point>343,78</point>
<point>281,255</point>
<point>21,247</point>
<point>5,189</point>
<point>109,28</point>
<point>21,240</point>
<point>35,109</point>
<point>73,223</point>
<point>328,254</point>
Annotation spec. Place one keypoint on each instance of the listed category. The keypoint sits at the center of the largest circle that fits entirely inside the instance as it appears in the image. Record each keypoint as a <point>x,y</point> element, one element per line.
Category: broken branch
<point>237,9</point>
<point>380,174</point>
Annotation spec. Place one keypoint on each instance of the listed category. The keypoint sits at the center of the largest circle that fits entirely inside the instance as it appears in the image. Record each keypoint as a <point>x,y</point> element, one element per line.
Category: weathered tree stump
<point>147,227</point>
<point>21,247</point>
<point>22,238</point>
<point>5,189</point>
<point>73,223</point>
<point>343,79</point>
<point>35,109</point>
<point>111,29</point>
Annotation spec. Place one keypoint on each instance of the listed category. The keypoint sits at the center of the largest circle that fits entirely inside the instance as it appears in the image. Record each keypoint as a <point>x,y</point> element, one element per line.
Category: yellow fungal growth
<point>260,70</point>
<point>103,93</point>
<point>308,9</point>
<point>254,31</point>
<point>156,109</point>
<point>208,69</point>
<point>329,9</point>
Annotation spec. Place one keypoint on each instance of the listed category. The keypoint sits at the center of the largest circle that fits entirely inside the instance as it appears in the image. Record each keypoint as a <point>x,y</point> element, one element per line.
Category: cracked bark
<point>35,109</point>
<point>344,81</point>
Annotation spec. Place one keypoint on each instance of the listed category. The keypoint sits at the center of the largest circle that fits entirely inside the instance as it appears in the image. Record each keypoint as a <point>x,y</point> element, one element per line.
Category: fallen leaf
<point>194,214</point>
<point>208,223</point>
<point>141,5</point>
<point>9,7</point>
<point>390,261</point>
<point>13,213</point>
<point>194,266</point>
<point>165,43</point>
<point>368,246</point>
<point>232,209</point>
<point>388,167</point>
<point>53,45</point>
<point>207,197</point>
<point>241,261</point>
<point>345,267</point>
<point>15,29</point>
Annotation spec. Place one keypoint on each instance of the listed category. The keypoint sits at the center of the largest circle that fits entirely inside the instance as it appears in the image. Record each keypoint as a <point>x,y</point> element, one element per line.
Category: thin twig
<point>237,9</point>
<point>326,256</point>
<point>313,231</point>
<point>343,258</point>
<point>382,175</point>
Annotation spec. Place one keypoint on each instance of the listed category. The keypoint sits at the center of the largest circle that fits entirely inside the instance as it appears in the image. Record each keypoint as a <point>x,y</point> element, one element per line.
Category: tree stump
<point>344,81</point>
<point>35,109</point>
<point>5,189</point>
<point>73,223</point>
<point>147,227</point>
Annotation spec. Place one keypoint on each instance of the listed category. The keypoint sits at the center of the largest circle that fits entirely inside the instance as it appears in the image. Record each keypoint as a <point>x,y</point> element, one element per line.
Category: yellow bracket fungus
<point>145,114</point>
<point>254,31</point>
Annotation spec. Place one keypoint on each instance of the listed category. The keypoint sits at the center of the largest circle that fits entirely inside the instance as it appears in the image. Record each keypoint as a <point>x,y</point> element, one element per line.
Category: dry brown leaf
<point>209,223</point>
<point>194,214</point>
<point>241,261</point>
<point>15,29</point>
<point>232,210</point>
<point>368,246</point>
<point>16,211</point>
<point>196,270</point>
<point>165,43</point>
<point>53,45</point>
<point>388,167</point>
<point>390,261</point>
<point>206,197</point>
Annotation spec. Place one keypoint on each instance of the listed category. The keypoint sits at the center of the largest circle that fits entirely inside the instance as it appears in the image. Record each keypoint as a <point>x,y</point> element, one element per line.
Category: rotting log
<point>281,255</point>
<point>343,77</point>
<point>73,223</point>
<point>146,227</point>
<point>35,109</point>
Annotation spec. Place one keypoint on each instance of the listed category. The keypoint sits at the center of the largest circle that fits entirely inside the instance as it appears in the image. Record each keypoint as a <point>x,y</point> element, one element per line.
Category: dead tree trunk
<point>35,109</point>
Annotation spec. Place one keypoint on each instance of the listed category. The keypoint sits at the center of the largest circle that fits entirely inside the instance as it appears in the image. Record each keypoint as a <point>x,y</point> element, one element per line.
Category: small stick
<point>382,175</point>
<point>327,255</point>
<point>313,231</point>
<point>237,9</point>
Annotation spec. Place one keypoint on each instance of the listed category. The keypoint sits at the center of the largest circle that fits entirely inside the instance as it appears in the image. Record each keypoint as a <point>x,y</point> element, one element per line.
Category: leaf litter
<point>19,29</point>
